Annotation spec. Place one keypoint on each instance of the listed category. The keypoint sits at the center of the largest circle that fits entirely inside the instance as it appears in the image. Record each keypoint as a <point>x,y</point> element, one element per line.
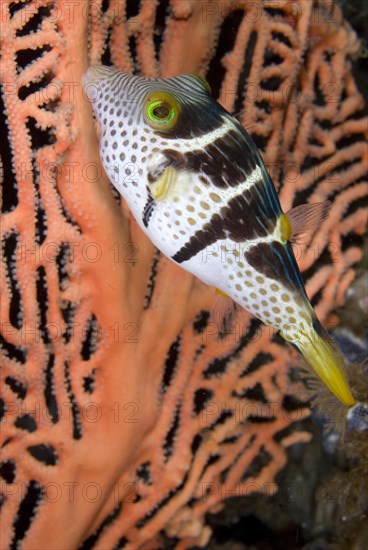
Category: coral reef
<point>125,415</point>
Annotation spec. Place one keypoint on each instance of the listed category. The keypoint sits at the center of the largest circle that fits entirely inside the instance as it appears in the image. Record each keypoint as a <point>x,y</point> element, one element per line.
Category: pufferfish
<point>197,186</point>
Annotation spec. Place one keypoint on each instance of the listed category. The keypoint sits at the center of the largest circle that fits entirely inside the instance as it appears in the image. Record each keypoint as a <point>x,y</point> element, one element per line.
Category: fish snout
<point>95,74</point>
<point>96,83</point>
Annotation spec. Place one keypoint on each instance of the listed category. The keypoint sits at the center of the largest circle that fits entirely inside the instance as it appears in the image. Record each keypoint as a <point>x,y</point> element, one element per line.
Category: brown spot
<point>215,197</point>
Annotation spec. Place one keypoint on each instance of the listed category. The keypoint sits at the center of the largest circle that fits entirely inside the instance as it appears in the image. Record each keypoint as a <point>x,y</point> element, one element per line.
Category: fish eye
<point>161,110</point>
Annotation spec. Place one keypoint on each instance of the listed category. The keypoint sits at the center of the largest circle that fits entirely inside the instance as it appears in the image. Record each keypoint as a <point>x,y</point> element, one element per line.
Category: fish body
<point>197,186</point>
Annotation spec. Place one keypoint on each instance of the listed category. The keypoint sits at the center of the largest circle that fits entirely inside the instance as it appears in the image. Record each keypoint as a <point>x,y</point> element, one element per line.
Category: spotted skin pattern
<point>201,193</point>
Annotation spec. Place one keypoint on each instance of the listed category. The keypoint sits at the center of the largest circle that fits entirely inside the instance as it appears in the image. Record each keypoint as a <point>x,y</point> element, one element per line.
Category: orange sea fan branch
<point>114,379</point>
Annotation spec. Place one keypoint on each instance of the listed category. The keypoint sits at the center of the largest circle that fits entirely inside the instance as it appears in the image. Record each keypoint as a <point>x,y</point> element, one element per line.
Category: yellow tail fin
<point>325,359</point>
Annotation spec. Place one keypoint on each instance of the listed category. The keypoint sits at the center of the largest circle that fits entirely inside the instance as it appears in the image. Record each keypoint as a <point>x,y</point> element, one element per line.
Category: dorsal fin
<point>306,218</point>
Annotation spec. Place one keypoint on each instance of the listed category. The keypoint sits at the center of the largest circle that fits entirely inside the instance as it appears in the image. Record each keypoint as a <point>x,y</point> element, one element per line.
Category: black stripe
<point>175,159</point>
<point>210,233</point>
<point>276,261</point>
<point>227,161</point>
<point>247,216</point>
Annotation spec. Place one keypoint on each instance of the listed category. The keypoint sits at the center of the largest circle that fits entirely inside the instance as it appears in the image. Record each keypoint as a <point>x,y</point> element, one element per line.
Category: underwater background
<point>331,510</point>
<point>321,502</point>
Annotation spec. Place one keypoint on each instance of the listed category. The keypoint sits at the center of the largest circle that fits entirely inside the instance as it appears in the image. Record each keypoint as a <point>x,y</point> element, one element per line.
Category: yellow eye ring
<point>161,110</point>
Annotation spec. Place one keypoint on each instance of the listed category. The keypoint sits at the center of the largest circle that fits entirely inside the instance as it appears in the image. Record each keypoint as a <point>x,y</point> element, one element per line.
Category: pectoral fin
<point>162,187</point>
<point>306,218</point>
<point>300,222</point>
<point>159,190</point>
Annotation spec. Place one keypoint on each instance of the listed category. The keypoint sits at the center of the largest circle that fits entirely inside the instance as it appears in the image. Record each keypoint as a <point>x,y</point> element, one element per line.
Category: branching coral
<point>125,414</point>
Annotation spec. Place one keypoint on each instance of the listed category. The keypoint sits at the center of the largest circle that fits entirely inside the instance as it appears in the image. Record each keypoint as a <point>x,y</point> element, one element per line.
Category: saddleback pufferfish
<point>198,188</point>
